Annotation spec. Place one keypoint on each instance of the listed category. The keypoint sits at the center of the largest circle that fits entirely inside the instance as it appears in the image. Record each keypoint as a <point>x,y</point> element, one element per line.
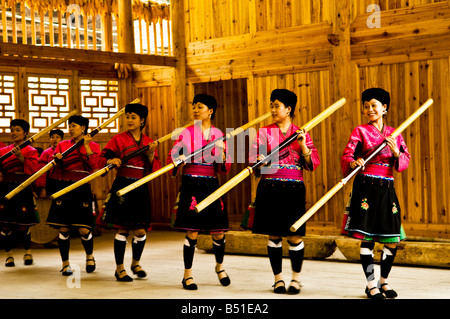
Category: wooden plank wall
<point>324,50</point>
<point>231,113</point>
<point>161,121</point>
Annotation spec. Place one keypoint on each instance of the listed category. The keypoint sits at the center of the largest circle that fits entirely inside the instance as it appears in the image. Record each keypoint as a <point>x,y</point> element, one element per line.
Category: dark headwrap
<point>22,123</point>
<point>80,120</point>
<point>288,98</point>
<point>378,94</point>
<point>139,109</point>
<point>56,131</point>
<point>208,100</point>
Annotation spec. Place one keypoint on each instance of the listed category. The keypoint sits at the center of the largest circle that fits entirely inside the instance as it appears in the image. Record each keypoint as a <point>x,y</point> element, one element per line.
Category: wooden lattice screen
<point>48,101</point>
<point>7,101</point>
<point>99,101</point>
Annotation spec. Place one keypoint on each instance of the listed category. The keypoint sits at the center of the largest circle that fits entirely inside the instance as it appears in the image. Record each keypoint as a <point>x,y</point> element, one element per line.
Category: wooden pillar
<point>125,30</point>
<point>343,77</point>
<point>75,94</point>
<point>179,47</point>
<point>22,95</point>
<point>125,41</point>
<point>107,37</point>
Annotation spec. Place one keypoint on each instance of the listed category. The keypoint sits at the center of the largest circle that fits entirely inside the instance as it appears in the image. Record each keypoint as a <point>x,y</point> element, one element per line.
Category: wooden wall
<point>325,50</point>
<point>231,113</point>
<point>158,96</point>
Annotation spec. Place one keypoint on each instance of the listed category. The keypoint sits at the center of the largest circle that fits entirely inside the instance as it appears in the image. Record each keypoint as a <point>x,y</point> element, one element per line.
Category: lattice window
<point>7,101</point>
<point>99,101</point>
<point>48,101</point>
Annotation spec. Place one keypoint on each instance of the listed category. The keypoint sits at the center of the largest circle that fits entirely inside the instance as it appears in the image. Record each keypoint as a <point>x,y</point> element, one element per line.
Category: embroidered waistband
<point>378,170</point>
<point>199,170</point>
<point>283,172</point>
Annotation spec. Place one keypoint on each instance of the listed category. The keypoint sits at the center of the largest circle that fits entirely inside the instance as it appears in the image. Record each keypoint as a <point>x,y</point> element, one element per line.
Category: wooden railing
<point>42,23</point>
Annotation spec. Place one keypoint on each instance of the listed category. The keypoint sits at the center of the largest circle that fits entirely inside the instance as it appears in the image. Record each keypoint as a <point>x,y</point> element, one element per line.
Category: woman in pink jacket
<point>374,211</point>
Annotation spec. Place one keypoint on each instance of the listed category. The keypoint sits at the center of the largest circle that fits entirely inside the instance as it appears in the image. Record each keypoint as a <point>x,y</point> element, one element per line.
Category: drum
<point>42,233</point>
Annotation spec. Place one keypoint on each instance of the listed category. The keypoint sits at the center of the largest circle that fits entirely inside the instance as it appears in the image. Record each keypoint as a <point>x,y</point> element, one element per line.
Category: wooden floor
<point>251,277</point>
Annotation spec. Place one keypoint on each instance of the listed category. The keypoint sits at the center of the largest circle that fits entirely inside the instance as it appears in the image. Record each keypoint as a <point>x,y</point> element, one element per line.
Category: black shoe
<point>27,259</point>
<point>140,273</point>
<point>374,296</point>
<point>293,290</point>
<point>90,268</point>
<point>66,271</point>
<point>191,286</point>
<point>388,293</point>
<point>10,262</point>
<point>124,278</point>
<point>225,281</point>
<point>280,289</point>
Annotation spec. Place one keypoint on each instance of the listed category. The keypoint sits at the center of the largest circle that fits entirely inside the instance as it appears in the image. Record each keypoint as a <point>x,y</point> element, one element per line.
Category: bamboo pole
<point>55,162</point>
<point>344,181</point>
<point>250,169</point>
<point>178,162</point>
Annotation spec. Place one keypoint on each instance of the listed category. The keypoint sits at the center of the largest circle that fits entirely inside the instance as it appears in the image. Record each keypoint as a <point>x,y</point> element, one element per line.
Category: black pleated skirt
<point>20,210</point>
<point>73,209</point>
<point>278,205</point>
<point>130,211</point>
<point>213,219</point>
<point>374,211</point>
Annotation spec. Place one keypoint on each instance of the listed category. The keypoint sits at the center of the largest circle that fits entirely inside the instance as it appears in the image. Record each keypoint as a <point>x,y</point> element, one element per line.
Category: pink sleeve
<point>92,160</point>
<point>402,162</point>
<point>31,161</point>
<point>348,154</point>
<point>315,159</point>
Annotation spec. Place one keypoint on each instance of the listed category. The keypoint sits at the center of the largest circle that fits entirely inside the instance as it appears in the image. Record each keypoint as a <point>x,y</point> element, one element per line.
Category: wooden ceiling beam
<point>84,56</point>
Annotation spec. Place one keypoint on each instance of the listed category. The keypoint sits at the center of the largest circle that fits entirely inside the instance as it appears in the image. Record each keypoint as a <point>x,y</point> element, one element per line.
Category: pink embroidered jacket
<point>77,164</point>
<point>290,162</point>
<point>363,141</point>
<point>120,146</point>
<point>12,165</point>
<point>209,162</point>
